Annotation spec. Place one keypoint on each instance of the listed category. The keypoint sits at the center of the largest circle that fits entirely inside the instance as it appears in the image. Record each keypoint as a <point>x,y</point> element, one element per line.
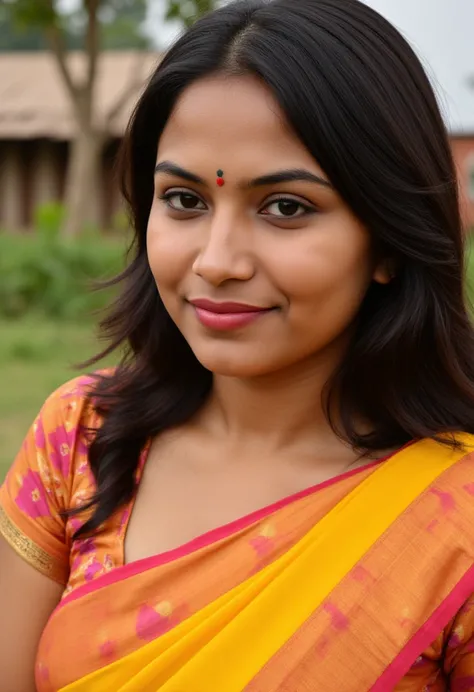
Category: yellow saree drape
<point>224,645</point>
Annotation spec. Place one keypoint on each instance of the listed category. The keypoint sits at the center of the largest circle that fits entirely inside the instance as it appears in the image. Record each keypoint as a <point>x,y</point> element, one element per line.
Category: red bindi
<point>220,178</point>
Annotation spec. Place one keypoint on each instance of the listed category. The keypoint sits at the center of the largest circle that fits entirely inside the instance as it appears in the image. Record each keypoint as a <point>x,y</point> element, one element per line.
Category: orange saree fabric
<point>402,618</point>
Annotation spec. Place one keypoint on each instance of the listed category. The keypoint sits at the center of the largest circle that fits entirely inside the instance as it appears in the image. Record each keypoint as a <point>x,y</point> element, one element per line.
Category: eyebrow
<point>174,169</point>
<point>285,176</point>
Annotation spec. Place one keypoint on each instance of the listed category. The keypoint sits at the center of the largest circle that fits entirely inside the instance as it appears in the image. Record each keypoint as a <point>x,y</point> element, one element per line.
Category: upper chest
<point>188,489</point>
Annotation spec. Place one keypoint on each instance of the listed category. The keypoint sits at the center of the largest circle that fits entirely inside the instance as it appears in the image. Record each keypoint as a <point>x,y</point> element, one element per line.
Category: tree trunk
<point>83,194</point>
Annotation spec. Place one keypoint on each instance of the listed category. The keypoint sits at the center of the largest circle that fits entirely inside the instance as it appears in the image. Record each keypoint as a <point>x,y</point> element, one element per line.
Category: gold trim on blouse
<point>30,552</point>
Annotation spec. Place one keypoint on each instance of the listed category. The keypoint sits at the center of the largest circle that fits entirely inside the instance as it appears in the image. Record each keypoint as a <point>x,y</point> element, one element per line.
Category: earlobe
<point>384,272</point>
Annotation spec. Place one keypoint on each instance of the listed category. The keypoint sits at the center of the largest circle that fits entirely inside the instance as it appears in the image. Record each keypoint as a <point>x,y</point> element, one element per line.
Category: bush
<point>42,273</point>
<point>470,270</point>
<point>48,219</point>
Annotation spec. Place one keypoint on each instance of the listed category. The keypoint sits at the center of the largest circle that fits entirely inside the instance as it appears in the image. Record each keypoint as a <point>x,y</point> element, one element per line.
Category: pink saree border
<point>427,633</point>
<point>214,536</point>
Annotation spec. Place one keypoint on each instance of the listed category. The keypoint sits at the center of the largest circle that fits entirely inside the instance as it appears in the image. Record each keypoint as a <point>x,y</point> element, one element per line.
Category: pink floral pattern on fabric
<point>419,663</point>
<point>75,524</point>
<point>64,443</point>
<point>153,622</point>
<point>456,638</point>
<point>85,548</point>
<point>92,568</point>
<point>79,387</point>
<point>361,574</point>
<point>32,498</point>
<point>459,650</point>
<point>446,500</point>
<point>339,621</point>
<point>108,650</point>
<point>263,543</point>
<point>52,474</point>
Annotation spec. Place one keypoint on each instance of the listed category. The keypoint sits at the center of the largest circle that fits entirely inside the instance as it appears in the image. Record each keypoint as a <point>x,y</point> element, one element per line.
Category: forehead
<point>231,121</point>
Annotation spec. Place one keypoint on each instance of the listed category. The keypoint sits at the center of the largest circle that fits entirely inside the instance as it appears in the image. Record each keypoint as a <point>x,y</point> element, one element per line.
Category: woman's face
<point>269,269</point>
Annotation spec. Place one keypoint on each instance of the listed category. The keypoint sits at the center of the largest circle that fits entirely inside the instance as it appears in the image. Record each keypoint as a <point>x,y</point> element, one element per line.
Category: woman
<point>292,421</point>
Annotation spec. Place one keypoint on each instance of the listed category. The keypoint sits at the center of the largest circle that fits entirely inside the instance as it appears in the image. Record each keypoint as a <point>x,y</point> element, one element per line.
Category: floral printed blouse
<point>51,474</point>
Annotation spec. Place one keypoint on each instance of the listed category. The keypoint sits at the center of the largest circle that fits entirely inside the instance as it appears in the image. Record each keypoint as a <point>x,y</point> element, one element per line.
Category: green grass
<point>36,356</point>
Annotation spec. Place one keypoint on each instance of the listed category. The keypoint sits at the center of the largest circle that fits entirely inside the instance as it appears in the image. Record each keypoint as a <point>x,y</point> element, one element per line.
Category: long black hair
<point>358,98</point>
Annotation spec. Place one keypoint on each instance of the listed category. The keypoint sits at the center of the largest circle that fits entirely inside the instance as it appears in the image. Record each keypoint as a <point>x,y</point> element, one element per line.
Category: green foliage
<point>48,219</point>
<point>470,269</point>
<point>124,34</point>
<point>188,11</point>
<point>121,21</point>
<point>47,275</point>
<point>14,36</point>
<point>31,12</point>
<point>23,24</point>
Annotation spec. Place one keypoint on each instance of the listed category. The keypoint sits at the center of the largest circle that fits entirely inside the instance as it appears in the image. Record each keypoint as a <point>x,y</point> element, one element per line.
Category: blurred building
<point>463,150</point>
<point>36,126</point>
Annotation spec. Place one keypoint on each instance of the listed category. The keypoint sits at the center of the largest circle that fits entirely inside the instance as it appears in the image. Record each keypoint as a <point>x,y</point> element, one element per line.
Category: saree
<point>349,600</point>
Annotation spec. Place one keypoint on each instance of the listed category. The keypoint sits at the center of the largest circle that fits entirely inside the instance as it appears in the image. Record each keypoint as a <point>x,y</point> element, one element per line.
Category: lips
<point>227,307</point>
<point>226,316</point>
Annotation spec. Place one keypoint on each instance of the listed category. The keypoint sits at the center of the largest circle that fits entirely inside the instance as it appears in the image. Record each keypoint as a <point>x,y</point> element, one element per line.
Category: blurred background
<point>70,73</point>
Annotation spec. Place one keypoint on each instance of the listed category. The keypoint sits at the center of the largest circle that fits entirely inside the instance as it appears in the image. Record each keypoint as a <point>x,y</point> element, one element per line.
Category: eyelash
<point>167,196</point>
<point>307,209</point>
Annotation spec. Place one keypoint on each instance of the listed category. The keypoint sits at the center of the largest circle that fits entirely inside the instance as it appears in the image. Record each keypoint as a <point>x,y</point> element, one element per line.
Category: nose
<point>225,253</point>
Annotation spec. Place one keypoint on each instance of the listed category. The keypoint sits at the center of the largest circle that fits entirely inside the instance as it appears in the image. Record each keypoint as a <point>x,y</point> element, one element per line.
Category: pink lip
<point>225,308</point>
<point>226,316</point>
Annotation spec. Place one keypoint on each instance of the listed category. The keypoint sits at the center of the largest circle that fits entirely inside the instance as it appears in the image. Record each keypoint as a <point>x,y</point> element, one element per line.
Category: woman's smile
<point>277,230</point>
<point>227,316</point>
<point>257,497</point>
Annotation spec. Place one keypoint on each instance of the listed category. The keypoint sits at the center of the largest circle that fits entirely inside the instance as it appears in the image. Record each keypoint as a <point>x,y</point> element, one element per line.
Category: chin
<point>220,361</point>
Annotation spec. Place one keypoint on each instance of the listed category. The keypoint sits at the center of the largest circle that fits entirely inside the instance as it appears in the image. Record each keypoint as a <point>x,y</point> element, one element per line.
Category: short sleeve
<point>38,486</point>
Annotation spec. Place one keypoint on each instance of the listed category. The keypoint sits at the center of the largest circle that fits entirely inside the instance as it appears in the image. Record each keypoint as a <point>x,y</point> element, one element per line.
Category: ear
<point>384,271</point>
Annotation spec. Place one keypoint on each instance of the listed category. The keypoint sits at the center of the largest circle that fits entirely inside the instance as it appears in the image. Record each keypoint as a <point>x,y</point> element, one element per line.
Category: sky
<point>441,31</point>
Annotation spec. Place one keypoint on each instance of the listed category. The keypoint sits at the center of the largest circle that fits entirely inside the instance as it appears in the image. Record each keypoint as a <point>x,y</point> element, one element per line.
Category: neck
<point>277,411</point>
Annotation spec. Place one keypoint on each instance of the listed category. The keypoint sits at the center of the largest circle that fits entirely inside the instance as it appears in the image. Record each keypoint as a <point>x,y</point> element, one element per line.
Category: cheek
<point>325,282</point>
<point>324,270</point>
<point>168,254</point>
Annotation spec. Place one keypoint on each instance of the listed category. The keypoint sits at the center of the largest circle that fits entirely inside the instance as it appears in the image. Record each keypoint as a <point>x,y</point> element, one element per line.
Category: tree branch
<point>135,82</point>
<point>56,41</point>
<point>92,42</point>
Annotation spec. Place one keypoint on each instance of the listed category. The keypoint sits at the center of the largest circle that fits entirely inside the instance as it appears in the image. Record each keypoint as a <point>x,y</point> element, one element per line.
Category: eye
<point>180,200</point>
<point>287,208</point>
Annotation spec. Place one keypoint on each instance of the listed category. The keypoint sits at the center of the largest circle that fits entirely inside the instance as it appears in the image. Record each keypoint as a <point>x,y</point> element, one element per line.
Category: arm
<point>27,599</point>
<point>34,547</point>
